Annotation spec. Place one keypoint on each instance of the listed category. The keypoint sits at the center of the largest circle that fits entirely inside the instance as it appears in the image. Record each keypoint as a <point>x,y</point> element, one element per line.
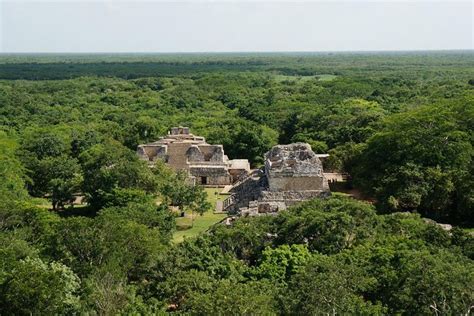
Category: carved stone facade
<point>292,173</point>
<point>206,164</point>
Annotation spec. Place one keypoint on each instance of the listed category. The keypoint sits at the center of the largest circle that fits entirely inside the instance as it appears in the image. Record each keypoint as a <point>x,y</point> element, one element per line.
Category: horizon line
<point>249,52</point>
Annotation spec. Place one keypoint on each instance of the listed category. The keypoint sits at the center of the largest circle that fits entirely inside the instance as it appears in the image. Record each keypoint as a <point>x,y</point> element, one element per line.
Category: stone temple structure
<point>206,164</point>
<point>292,173</point>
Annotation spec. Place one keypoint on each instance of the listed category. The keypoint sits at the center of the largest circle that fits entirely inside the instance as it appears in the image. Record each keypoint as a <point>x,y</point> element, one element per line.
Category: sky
<point>234,26</point>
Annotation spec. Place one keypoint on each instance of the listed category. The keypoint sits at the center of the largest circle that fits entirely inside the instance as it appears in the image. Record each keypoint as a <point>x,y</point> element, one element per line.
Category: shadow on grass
<point>82,210</point>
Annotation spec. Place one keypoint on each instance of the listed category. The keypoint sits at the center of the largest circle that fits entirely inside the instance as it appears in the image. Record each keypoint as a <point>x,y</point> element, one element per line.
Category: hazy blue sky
<point>223,26</point>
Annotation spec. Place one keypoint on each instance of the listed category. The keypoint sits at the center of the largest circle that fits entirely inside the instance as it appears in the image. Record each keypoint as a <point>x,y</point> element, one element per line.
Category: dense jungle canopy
<point>400,124</point>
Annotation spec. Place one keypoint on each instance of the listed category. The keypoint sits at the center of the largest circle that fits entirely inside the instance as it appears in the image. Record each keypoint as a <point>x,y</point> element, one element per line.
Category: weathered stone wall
<point>208,171</point>
<point>270,202</point>
<point>177,157</point>
<point>152,152</point>
<point>141,152</point>
<point>181,150</point>
<point>294,167</point>
<point>297,183</point>
<point>212,153</point>
<point>293,173</point>
<point>194,154</point>
<point>220,181</point>
<point>291,196</point>
<point>248,190</point>
<point>213,175</point>
<point>179,130</point>
<point>237,174</point>
<point>217,154</point>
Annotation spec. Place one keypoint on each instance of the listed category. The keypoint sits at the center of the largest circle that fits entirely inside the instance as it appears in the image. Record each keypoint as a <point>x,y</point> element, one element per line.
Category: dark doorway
<point>203,180</point>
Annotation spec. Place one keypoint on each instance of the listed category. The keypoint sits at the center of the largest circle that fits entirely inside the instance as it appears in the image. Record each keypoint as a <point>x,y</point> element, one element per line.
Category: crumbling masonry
<point>206,164</point>
<point>292,173</point>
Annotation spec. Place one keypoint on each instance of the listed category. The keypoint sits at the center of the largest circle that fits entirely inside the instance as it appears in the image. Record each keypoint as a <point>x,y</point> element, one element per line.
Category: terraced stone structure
<point>292,173</point>
<point>206,164</point>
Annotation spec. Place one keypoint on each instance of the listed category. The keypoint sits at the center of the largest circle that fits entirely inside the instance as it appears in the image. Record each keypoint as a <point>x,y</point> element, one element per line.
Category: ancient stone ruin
<point>206,164</point>
<point>292,173</point>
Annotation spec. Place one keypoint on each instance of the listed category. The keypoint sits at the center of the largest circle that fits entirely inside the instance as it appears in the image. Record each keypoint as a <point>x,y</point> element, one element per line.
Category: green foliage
<point>176,190</point>
<point>143,130</point>
<point>59,177</point>
<point>463,240</point>
<point>246,239</point>
<point>50,168</point>
<point>12,250</point>
<point>110,166</point>
<point>145,213</point>
<point>36,287</point>
<point>400,124</point>
<point>40,143</point>
<point>327,286</point>
<point>181,286</point>
<point>419,160</point>
<point>123,248</point>
<point>241,138</point>
<point>120,197</point>
<point>408,277</point>
<point>228,298</point>
<point>12,173</point>
<point>343,158</point>
<point>431,284</point>
<point>107,294</point>
<point>201,255</point>
<point>281,263</point>
<point>352,121</point>
<point>29,222</point>
<point>327,226</point>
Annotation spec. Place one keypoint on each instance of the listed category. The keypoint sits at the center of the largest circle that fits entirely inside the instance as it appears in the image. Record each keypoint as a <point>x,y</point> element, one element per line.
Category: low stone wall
<point>273,202</point>
<point>218,181</point>
<point>293,183</point>
<point>212,175</point>
<point>291,196</point>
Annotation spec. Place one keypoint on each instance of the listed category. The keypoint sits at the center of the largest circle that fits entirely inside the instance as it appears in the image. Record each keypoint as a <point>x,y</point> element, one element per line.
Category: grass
<point>42,203</point>
<point>183,224</point>
<point>213,196</point>
<point>323,77</point>
<point>326,77</point>
<point>201,223</point>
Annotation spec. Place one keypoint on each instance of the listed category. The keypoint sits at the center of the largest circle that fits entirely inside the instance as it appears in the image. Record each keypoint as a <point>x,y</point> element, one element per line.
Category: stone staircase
<point>227,203</point>
<point>244,182</point>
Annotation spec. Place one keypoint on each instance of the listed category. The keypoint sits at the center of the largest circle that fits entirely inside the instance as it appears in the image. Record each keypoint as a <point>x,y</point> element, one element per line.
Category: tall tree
<point>109,166</point>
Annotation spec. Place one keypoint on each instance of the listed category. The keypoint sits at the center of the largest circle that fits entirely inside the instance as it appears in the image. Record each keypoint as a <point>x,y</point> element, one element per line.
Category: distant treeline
<point>132,66</point>
<point>44,71</point>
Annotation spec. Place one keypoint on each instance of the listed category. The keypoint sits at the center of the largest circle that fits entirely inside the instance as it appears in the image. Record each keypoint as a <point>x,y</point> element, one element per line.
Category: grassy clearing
<point>323,77</point>
<point>201,223</point>
<point>42,203</point>
<point>326,77</point>
<point>183,224</point>
<point>46,203</point>
<point>213,196</point>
